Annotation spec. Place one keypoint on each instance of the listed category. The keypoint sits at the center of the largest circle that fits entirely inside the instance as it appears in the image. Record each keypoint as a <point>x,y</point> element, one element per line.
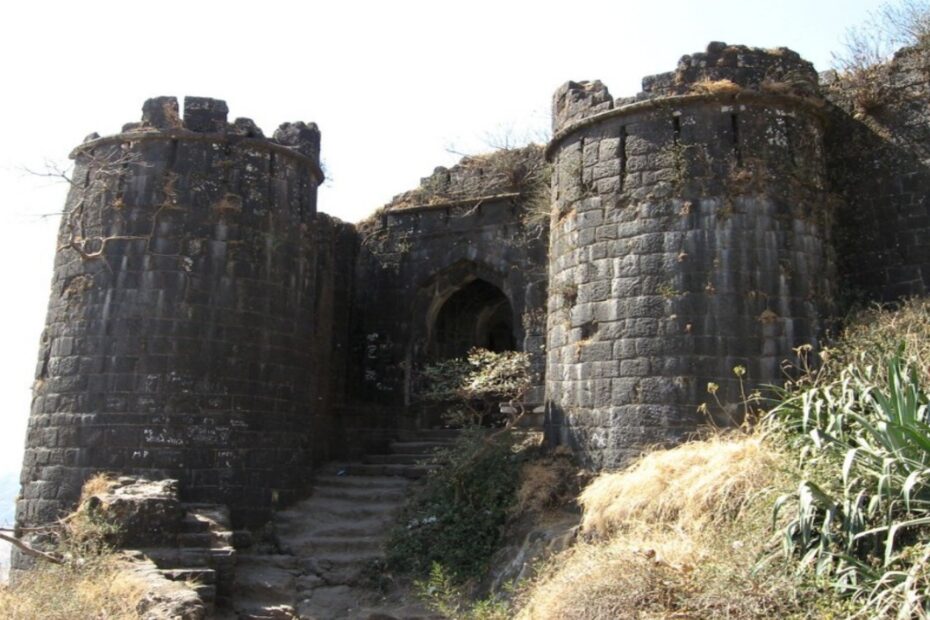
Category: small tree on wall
<point>474,386</point>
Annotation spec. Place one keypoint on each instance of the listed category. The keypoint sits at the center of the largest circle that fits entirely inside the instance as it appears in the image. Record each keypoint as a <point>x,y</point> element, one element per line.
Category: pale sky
<point>392,86</point>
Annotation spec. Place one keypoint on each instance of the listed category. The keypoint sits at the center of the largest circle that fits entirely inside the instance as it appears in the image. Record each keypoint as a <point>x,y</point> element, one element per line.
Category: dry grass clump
<point>670,575</point>
<point>677,535</point>
<point>98,484</point>
<point>92,582</point>
<point>613,580</point>
<point>775,87</point>
<point>546,483</point>
<point>100,587</point>
<point>873,336</point>
<point>716,87</point>
<point>694,485</point>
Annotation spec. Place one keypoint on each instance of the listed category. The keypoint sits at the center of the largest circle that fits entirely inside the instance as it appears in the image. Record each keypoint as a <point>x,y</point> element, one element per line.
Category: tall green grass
<point>860,518</point>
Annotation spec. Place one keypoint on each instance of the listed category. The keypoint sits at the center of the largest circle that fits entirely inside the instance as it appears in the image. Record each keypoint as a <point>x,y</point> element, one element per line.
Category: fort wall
<point>207,324</point>
<point>473,222</point>
<point>878,154</point>
<point>197,311</point>
<point>689,235</point>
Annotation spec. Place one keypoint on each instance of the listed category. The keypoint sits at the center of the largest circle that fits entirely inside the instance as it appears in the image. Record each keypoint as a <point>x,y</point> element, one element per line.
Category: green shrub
<point>861,516</point>
<point>457,519</point>
<point>443,596</point>
<point>473,387</point>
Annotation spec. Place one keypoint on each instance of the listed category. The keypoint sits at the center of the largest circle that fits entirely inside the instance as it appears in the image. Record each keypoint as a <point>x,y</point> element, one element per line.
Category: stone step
<point>207,540</point>
<point>361,493</point>
<point>197,539</point>
<point>204,576</point>
<point>448,434</point>
<point>394,459</point>
<point>193,523</point>
<point>357,528</point>
<point>413,472</point>
<point>369,482</point>
<point>271,560</point>
<point>266,612</point>
<point>191,557</point>
<point>418,447</point>
<point>327,523</point>
<point>217,514</point>
<point>343,568</point>
<point>344,508</point>
<point>328,545</point>
<point>266,585</point>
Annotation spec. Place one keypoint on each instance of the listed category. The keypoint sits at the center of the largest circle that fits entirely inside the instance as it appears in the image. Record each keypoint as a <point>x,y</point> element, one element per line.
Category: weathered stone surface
<point>468,230</point>
<point>161,113</point>
<point>147,512</point>
<point>878,153</point>
<point>195,321</point>
<point>207,325</point>
<point>205,114</point>
<point>165,599</point>
<point>709,248</point>
<point>300,136</point>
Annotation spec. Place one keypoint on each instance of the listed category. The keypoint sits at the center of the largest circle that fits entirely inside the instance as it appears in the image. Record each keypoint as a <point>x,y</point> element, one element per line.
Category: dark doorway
<point>477,315</point>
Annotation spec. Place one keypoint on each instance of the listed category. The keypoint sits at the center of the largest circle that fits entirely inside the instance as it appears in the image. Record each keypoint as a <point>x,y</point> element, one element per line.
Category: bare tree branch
<point>30,550</point>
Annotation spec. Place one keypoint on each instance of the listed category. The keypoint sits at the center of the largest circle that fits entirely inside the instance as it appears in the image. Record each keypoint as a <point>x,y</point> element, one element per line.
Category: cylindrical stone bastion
<point>688,237</point>
<point>189,326</point>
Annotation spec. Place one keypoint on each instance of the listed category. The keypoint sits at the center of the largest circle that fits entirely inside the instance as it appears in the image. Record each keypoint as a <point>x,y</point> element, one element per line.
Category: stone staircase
<point>205,555</point>
<point>328,552</point>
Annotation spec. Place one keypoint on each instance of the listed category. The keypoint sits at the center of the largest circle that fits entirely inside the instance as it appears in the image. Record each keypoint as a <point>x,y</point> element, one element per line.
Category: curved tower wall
<point>689,235</point>
<point>190,325</point>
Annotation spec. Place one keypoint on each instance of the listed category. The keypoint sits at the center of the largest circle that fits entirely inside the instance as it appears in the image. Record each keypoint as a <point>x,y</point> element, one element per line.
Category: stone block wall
<point>471,222</point>
<point>878,149</point>
<point>689,235</point>
<point>196,318</point>
<point>207,324</point>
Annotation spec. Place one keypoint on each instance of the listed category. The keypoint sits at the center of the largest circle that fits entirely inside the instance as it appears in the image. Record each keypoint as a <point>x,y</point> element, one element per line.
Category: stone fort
<point>208,324</point>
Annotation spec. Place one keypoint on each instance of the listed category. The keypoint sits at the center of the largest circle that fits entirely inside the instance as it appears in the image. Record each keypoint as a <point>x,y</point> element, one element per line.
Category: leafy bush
<point>474,386</point>
<point>456,520</point>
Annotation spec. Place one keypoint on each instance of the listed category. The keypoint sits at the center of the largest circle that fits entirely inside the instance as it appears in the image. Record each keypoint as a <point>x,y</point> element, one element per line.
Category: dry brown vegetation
<point>99,587</point>
<point>716,87</point>
<point>546,483</point>
<point>677,535</point>
<point>693,486</point>
<point>863,62</point>
<point>92,582</point>
<point>878,332</point>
